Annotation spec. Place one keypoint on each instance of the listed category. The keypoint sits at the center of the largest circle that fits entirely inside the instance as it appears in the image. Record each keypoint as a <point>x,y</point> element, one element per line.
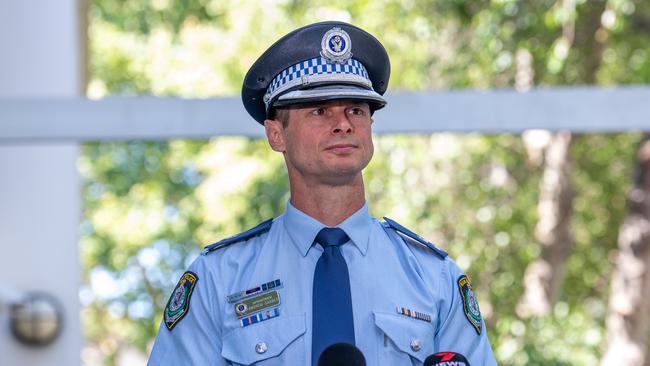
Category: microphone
<point>341,354</point>
<point>446,359</point>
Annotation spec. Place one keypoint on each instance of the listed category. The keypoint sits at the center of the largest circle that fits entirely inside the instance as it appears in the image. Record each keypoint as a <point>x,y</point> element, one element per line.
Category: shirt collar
<point>303,228</point>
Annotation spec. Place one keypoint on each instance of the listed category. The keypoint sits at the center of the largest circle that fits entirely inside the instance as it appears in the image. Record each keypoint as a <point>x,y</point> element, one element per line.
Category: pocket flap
<point>241,345</point>
<point>411,336</point>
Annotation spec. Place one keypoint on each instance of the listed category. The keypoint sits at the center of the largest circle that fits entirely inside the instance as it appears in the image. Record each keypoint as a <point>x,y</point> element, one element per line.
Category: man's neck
<point>328,204</point>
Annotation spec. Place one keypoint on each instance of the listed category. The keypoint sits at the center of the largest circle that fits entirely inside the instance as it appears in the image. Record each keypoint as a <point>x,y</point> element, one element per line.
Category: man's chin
<point>347,163</point>
<point>345,173</point>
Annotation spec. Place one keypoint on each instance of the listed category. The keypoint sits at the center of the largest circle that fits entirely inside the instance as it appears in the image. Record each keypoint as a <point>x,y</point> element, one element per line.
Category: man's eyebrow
<point>361,104</point>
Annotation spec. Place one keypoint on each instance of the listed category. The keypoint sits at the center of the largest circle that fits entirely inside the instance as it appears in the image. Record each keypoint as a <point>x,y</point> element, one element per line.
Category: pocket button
<point>261,348</point>
<point>416,345</point>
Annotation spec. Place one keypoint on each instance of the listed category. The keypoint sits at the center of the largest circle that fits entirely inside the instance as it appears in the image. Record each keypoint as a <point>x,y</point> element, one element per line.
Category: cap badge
<point>336,46</point>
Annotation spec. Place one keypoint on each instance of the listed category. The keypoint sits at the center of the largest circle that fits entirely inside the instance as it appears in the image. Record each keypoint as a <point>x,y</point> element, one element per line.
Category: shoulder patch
<point>412,237</point>
<point>179,302</point>
<point>470,304</point>
<point>250,233</point>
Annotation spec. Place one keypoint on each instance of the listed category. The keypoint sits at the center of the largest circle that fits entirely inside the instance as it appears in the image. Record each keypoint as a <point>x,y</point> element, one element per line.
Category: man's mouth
<point>341,148</point>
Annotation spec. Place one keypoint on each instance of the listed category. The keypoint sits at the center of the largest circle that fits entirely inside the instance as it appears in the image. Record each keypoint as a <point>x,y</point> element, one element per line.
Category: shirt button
<point>261,348</point>
<point>416,345</point>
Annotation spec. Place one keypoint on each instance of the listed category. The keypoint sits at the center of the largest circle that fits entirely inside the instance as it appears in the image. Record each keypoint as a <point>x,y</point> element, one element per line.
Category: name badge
<point>257,304</point>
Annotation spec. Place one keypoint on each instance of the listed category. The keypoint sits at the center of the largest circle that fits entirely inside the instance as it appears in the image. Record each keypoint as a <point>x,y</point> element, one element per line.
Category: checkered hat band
<point>317,69</point>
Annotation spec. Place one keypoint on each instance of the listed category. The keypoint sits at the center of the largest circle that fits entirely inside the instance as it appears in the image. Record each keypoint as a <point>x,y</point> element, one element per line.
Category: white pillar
<point>40,56</point>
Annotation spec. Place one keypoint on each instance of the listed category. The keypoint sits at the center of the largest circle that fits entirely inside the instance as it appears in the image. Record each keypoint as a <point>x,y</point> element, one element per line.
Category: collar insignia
<point>411,237</point>
<point>248,234</point>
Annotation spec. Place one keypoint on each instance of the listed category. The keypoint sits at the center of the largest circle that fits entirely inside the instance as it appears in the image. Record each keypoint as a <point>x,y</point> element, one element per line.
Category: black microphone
<point>446,359</point>
<point>341,354</point>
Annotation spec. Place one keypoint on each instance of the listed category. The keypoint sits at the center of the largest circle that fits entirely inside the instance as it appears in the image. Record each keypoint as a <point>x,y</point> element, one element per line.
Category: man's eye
<point>357,111</point>
<point>318,111</point>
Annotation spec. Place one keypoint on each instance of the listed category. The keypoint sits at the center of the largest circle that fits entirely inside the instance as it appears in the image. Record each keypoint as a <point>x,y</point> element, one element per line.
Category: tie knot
<point>331,236</point>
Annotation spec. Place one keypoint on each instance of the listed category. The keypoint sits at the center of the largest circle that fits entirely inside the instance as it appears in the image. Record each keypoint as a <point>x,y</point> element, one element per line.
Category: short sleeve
<point>461,327</point>
<point>189,333</point>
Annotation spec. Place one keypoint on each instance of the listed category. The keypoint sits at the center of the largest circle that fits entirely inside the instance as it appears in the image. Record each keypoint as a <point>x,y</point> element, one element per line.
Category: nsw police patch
<point>470,304</point>
<point>179,303</point>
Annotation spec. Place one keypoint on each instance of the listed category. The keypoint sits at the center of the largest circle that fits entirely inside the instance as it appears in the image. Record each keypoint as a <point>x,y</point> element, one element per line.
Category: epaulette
<point>411,237</point>
<point>250,233</point>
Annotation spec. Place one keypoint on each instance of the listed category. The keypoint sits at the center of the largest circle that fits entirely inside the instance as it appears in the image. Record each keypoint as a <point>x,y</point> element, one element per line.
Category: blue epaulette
<point>250,233</point>
<point>411,237</point>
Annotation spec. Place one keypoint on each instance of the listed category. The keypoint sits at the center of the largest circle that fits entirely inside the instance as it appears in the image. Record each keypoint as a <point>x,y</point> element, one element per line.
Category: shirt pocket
<point>275,342</point>
<point>406,341</point>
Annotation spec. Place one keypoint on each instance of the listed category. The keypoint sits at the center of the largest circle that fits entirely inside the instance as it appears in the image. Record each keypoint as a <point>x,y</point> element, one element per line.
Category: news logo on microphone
<point>446,359</point>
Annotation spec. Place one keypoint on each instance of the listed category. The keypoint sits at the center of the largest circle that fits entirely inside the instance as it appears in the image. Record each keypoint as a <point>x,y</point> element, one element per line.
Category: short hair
<point>282,115</point>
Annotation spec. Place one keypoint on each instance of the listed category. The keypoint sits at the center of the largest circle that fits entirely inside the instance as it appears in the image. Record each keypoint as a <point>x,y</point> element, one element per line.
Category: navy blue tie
<point>332,305</point>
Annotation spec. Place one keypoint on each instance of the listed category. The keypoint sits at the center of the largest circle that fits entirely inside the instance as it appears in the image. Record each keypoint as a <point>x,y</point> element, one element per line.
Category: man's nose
<point>342,123</point>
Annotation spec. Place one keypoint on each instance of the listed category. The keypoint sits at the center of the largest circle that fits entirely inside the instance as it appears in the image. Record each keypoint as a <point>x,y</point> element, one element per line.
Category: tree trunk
<point>629,304</point>
<point>543,277</point>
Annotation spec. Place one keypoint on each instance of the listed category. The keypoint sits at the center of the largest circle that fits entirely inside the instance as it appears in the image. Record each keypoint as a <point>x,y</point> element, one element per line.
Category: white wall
<point>39,185</point>
<point>39,216</point>
<point>39,48</point>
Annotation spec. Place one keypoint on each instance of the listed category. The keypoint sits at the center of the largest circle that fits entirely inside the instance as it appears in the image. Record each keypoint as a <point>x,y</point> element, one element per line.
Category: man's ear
<point>275,134</point>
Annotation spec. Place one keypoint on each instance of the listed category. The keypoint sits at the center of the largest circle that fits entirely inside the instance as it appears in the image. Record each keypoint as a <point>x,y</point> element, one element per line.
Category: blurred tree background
<point>151,206</point>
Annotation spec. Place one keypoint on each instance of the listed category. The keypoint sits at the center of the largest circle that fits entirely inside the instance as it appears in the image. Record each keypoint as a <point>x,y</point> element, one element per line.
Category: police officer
<point>325,271</point>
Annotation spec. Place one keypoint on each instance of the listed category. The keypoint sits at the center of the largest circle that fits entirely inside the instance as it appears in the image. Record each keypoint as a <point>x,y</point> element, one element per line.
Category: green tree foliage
<point>151,206</point>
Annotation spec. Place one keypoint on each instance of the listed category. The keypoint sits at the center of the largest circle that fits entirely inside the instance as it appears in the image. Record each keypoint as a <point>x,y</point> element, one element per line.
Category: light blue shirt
<point>386,274</point>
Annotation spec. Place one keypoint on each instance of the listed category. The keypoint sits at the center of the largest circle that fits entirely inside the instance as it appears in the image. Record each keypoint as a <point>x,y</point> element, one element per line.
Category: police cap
<point>318,62</point>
